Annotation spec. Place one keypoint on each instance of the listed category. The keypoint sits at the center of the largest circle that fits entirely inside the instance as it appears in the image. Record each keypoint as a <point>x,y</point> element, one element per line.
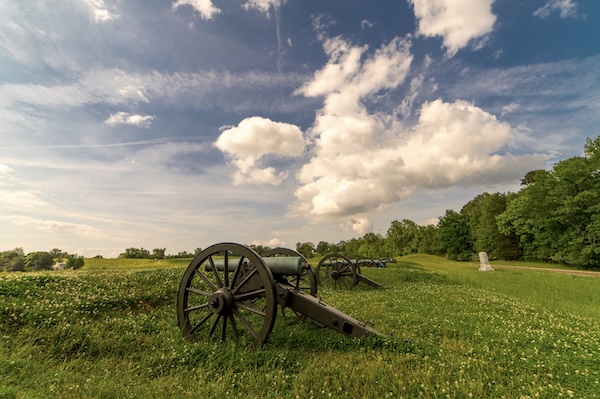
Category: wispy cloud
<point>565,8</point>
<point>125,118</point>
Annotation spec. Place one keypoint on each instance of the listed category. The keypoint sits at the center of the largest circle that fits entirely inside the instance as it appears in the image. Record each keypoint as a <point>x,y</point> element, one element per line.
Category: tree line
<point>554,217</point>
<point>17,261</point>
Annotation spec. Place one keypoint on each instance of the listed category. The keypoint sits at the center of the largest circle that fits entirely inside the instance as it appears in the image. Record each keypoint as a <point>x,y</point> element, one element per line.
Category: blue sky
<point>182,123</point>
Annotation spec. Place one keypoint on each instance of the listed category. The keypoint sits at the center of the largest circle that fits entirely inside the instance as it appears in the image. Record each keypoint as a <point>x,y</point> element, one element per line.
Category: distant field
<point>450,332</point>
<point>124,264</point>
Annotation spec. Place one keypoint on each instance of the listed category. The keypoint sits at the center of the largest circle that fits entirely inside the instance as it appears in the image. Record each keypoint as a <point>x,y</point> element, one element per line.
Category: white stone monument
<point>484,263</point>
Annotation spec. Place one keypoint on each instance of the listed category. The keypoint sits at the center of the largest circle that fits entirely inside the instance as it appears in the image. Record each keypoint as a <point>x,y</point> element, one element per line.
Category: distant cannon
<point>230,293</point>
<point>339,271</point>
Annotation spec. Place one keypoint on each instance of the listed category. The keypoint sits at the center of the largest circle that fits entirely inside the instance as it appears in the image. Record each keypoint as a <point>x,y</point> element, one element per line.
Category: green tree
<point>12,261</point>
<point>158,253</point>
<point>455,236</point>
<point>306,249</point>
<point>75,261</point>
<point>373,246</point>
<point>35,261</point>
<point>323,248</point>
<point>403,237</point>
<point>482,212</point>
<point>556,214</point>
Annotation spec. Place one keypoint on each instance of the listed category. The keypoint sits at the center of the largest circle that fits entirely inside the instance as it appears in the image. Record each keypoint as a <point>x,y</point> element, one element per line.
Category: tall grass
<point>449,332</point>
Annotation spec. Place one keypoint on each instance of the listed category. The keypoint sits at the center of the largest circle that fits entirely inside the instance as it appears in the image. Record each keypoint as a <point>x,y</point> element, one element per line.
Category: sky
<point>179,124</point>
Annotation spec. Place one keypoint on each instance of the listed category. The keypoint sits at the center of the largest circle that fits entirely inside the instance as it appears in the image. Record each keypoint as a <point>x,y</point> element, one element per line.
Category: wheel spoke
<point>236,272</point>
<point>247,325</point>
<point>215,272</point>
<point>191,309</point>
<point>223,329</point>
<point>205,279</point>
<point>200,323</point>
<point>244,281</point>
<point>199,292</point>
<point>226,269</point>
<point>251,309</point>
<point>214,325</point>
<point>234,329</point>
<point>249,295</point>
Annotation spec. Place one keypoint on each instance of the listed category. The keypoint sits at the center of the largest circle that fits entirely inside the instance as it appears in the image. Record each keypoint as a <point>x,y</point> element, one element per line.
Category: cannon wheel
<point>306,282</point>
<point>237,303</point>
<point>337,271</point>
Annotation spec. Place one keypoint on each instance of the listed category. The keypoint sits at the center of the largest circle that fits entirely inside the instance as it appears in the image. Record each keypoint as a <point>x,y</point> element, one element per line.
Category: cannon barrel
<point>282,266</point>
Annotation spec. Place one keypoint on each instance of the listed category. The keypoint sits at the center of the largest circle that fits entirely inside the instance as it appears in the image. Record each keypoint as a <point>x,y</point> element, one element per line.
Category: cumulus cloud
<point>254,138</point>
<point>457,21</point>
<point>125,118</point>
<point>363,162</point>
<point>205,8</point>
<point>566,8</point>
<point>360,226</point>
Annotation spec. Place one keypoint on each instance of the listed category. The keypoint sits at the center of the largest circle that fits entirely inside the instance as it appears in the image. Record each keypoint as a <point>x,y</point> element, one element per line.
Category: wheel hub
<point>221,302</point>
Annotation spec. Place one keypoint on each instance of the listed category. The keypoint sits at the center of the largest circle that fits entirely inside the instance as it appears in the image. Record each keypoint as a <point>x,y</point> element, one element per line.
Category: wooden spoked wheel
<point>336,271</point>
<point>227,293</point>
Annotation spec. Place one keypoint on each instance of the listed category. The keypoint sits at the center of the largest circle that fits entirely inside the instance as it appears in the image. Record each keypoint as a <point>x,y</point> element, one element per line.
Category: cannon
<point>339,271</point>
<point>230,293</point>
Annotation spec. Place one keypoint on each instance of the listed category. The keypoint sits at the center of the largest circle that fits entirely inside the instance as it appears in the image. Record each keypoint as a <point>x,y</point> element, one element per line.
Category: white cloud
<point>272,243</point>
<point>360,226</point>
<point>254,138</point>
<point>457,21</point>
<point>53,226</point>
<point>204,7</point>
<point>262,5</point>
<point>99,11</point>
<point>125,118</point>
<point>364,162</point>
<point>4,169</point>
<point>567,8</point>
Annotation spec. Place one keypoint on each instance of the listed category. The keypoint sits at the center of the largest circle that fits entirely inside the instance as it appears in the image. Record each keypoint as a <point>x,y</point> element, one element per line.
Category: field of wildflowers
<point>449,332</point>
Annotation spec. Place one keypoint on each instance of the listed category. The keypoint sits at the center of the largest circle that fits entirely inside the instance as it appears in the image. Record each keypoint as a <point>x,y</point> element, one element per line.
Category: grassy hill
<point>450,331</point>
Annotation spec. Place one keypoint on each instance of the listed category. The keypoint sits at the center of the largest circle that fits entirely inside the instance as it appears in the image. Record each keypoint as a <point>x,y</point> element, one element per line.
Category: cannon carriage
<point>339,271</point>
<point>230,293</point>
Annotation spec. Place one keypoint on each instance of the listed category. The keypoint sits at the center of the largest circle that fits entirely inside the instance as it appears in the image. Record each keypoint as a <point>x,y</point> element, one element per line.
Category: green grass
<point>128,264</point>
<point>450,332</point>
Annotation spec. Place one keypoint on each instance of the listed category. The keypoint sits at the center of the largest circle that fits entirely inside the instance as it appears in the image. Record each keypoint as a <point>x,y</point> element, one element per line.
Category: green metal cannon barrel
<point>280,265</point>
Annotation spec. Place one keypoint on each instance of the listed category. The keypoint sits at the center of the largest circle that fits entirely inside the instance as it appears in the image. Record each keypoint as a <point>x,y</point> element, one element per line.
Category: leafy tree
<point>351,247</point>
<point>323,248</point>
<point>482,212</point>
<point>35,261</point>
<point>455,236</point>
<point>75,262</point>
<point>556,213</point>
<point>373,246</point>
<point>260,249</point>
<point>306,249</point>
<point>403,237</point>
<point>158,253</point>
<point>58,254</point>
<point>135,253</point>
<point>12,261</point>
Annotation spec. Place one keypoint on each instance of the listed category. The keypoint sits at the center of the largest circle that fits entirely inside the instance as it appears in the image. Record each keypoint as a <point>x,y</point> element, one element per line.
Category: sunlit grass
<point>449,332</point>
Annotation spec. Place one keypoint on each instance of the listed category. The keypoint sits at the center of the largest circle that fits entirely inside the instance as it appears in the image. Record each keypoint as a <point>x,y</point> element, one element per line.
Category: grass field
<point>450,332</point>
